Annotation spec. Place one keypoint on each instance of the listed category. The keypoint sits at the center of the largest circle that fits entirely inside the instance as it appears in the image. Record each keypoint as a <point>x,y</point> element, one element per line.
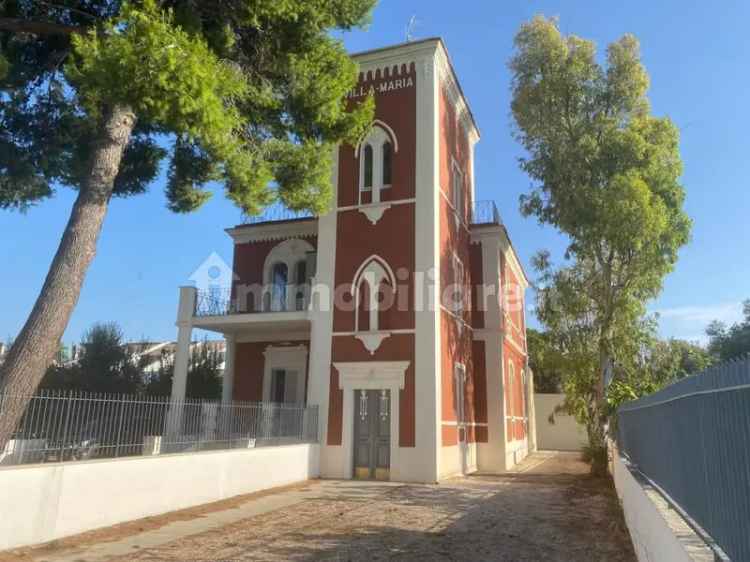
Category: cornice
<point>480,233</point>
<point>399,60</point>
<point>307,228</point>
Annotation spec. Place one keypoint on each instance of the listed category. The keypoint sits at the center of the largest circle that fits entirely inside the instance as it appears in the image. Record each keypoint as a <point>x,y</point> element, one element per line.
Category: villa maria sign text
<point>381,87</point>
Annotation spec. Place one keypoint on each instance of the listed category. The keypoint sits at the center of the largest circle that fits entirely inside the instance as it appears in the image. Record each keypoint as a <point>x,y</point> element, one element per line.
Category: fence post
<point>119,426</point>
<point>65,428</point>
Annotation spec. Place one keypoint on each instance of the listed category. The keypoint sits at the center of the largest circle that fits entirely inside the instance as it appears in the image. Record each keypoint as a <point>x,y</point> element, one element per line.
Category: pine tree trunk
<point>35,347</point>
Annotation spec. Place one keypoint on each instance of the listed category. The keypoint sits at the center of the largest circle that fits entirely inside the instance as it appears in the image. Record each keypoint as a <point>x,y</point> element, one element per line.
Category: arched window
<point>279,280</point>
<point>285,275</point>
<point>376,153</point>
<point>387,163</point>
<point>368,169</point>
<point>373,276</point>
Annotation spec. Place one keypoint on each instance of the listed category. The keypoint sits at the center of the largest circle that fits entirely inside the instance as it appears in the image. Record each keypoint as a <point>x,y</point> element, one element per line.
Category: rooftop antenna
<point>410,27</point>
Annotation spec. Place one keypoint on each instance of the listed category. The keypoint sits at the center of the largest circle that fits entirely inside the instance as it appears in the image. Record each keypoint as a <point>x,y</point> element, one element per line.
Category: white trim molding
<point>374,211</point>
<point>383,125</point>
<point>372,340</point>
<point>298,228</point>
<point>357,375</point>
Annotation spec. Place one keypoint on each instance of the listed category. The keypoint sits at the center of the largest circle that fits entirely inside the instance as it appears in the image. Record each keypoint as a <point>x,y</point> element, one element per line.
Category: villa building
<point>399,313</point>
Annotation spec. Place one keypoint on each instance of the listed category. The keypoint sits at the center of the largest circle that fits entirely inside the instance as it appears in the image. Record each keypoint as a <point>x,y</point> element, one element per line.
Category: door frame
<point>370,375</point>
<point>288,358</point>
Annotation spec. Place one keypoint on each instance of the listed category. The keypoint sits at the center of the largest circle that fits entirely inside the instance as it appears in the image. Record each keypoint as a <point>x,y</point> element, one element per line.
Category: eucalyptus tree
<point>96,94</point>
<point>605,173</point>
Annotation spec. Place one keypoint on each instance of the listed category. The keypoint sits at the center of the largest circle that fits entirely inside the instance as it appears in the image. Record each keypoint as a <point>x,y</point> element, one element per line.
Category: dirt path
<point>549,510</point>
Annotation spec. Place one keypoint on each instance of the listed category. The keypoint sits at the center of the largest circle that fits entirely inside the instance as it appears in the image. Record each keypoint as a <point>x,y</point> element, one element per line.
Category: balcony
<point>218,309</point>
<point>485,213</point>
<point>221,302</point>
<point>276,213</point>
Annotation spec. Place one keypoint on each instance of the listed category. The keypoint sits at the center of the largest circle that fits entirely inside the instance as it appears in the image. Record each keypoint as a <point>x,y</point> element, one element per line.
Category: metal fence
<point>485,212</point>
<point>692,439</point>
<point>70,426</point>
<point>277,212</point>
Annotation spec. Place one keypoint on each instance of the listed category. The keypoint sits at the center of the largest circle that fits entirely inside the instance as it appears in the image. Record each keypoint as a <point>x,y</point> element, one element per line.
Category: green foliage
<point>251,93</point>
<point>204,374</point>
<point>606,174</point>
<point>104,366</point>
<point>730,342</point>
<point>545,361</point>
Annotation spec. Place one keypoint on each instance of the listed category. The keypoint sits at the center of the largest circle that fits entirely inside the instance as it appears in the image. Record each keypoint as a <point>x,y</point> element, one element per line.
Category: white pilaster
<point>425,457</point>
<point>491,455</point>
<point>321,332</point>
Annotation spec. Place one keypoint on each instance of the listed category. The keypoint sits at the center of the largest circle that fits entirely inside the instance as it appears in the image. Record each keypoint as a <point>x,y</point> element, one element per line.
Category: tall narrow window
<point>387,163</point>
<point>301,273</point>
<point>459,289</point>
<point>457,188</point>
<point>376,154</point>
<point>279,280</point>
<point>367,181</point>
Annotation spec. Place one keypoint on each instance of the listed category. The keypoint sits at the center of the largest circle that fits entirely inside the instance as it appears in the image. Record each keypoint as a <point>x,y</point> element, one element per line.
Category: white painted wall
<point>657,531</point>
<point>566,434</point>
<point>49,501</point>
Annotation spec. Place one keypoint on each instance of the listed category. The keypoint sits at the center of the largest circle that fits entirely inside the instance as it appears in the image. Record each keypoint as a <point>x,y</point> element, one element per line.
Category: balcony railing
<point>485,212</point>
<point>276,213</point>
<point>222,302</point>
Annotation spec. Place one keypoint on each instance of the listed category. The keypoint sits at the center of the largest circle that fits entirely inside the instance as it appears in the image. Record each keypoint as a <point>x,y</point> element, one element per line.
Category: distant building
<point>151,355</point>
<point>155,354</point>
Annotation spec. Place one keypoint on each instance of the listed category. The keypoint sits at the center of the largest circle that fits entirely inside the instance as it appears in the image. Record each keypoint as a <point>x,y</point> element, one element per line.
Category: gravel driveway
<point>549,510</point>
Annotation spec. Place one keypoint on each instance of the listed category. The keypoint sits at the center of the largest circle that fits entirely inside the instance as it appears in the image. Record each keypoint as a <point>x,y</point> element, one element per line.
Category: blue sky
<point>697,55</point>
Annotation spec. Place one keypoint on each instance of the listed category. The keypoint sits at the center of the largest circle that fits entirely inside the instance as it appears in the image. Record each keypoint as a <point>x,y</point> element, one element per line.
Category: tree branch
<point>16,25</point>
<point>69,9</point>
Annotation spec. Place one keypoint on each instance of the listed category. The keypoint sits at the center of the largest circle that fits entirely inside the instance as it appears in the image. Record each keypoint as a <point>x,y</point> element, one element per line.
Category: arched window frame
<point>373,271</point>
<point>375,142</point>
<point>289,252</point>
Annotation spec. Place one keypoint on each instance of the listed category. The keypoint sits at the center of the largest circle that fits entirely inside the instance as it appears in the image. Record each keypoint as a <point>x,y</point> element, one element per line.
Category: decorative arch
<point>367,281</point>
<point>376,151</point>
<point>374,259</point>
<point>377,123</point>
<point>289,253</point>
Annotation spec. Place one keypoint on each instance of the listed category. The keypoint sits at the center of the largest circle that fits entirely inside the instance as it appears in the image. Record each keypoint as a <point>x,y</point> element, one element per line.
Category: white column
<point>227,379</point>
<point>185,311</point>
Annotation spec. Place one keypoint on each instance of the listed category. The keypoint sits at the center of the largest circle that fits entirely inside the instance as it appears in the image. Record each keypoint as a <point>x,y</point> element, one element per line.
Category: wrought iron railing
<point>276,213</point>
<point>71,426</point>
<point>253,299</point>
<point>485,212</point>
<point>692,440</point>
<point>215,302</point>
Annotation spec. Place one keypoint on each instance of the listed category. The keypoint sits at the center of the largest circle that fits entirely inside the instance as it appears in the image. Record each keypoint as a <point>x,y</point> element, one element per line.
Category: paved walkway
<point>549,509</point>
